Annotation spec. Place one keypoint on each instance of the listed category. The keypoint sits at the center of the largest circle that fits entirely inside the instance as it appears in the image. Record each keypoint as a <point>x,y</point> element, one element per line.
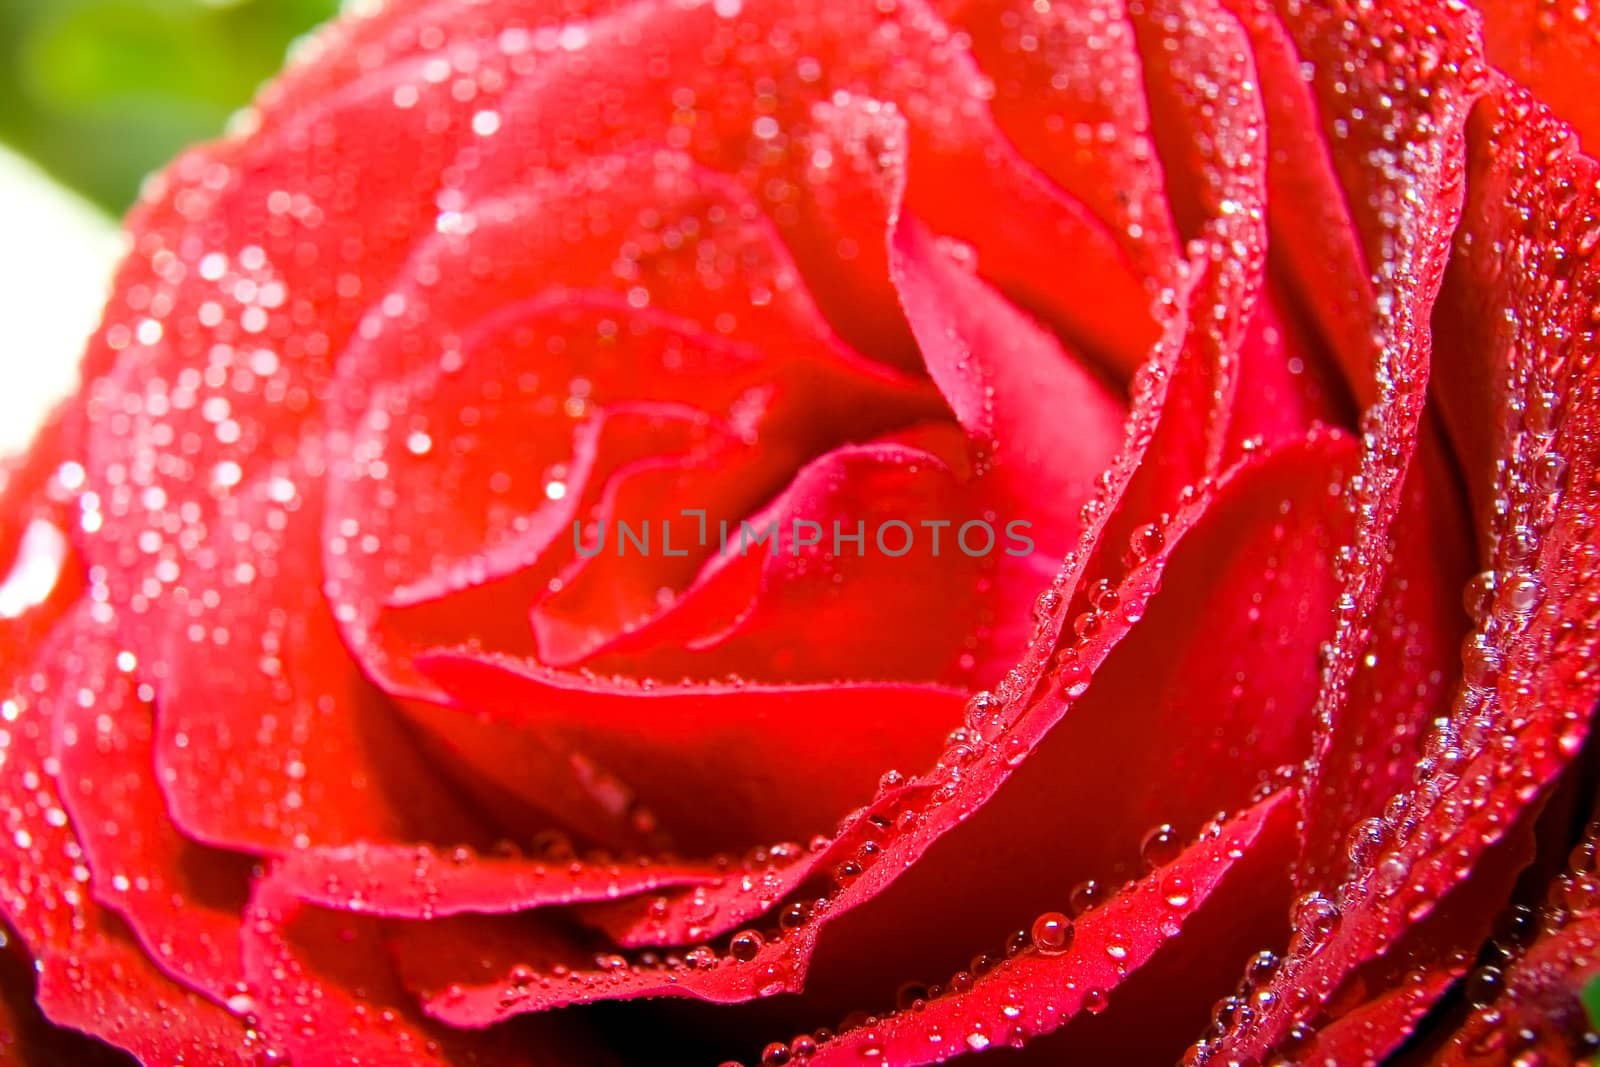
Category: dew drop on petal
<point>1052,933</point>
<point>1085,896</point>
<point>746,945</point>
<point>1160,846</point>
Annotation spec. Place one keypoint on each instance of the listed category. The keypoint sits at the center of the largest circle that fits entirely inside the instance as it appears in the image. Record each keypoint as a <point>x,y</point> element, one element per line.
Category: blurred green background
<point>99,93</point>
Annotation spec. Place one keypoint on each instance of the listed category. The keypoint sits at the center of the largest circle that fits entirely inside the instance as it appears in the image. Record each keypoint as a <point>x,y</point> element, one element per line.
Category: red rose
<point>351,719</point>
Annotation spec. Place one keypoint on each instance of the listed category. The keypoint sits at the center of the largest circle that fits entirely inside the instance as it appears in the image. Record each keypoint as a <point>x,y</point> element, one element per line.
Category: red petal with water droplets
<point>1525,1004</point>
<point>318,975</point>
<point>1027,998</point>
<point>1286,385</point>
<point>475,972</point>
<point>1070,94</point>
<point>1250,521</point>
<point>1377,1029</point>
<point>27,1038</point>
<point>1207,119</point>
<point>1205,712</point>
<point>450,480</point>
<point>102,983</point>
<point>677,918</point>
<point>663,65</point>
<point>1552,49</point>
<point>1314,239</point>
<point>752,620</point>
<point>182,900</point>
<point>420,883</point>
<point>743,788</point>
<point>1036,413</point>
<point>1415,647</point>
<point>92,973</point>
<point>255,270</point>
<point>1521,714</point>
<point>1415,247</point>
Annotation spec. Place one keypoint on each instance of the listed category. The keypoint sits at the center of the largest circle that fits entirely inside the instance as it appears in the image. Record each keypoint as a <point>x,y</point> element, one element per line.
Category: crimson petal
<point>239,245</point>
<point>181,900</point>
<point>397,881</point>
<point>656,738</point>
<point>317,973</point>
<point>905,821</point>
<point>92,973</point>
<point>1029,997</point>
<point>1069,92</point>
<point>1521,714</point>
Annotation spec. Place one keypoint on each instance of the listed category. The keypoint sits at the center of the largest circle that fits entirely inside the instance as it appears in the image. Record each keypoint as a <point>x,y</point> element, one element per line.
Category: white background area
<point>56,257</point>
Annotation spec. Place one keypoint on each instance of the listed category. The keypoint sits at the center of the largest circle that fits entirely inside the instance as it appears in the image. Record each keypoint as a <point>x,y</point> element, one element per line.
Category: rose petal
<point>1069,92</point>
<point>318,973</point>
<point>1168,701</point>
<point>752,621</point>
<point>1150,390</point>
<point>906,821</point>
<point>1287,384</point>
<point>180,899</point>
<point>1414,255</point>
<point>1415,642</point>
<point>1521,715</point>
<point>1525,1002</point>
<point>26,1036</point>
<point>737,746</point>
<point>1282,510</point>
<point>428,484</point>
<point>966,180</point>
<point>240,246</point>
<point>1550,48</point>
<point>1027,999</point>
<point>1207,119</point>
<point>92,974</point>
<point>1315,242</point>
<point>1010,385</point>
<point>1379,1028</point>
<point>421,883</point>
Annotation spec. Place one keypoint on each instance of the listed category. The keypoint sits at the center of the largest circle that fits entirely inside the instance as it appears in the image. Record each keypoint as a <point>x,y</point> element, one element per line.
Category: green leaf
<point>1591,1001</point>
<point>101,92</point>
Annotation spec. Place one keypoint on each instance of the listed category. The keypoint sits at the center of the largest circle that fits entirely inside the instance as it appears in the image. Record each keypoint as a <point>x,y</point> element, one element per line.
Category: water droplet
<point>1117,945</point>
<point>1366,839</point>
<point>1480,662</point>
<point>1478,596</point>
<point>1052,933</point>
<point>1483,986</point>
<point>1084,896</point>
<point>1103,595</point>
<point>1391,873</point>
<point>912,996</point>
<point>1144,542</point>
<point>1261,967</point>
<point>746,945</point>
<point>1522,593</point>
<point>985,715</point>
<point>1176,890</point>
<point>1550,472</point>
<point>1315,919</point>
<point>1160,846</point>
